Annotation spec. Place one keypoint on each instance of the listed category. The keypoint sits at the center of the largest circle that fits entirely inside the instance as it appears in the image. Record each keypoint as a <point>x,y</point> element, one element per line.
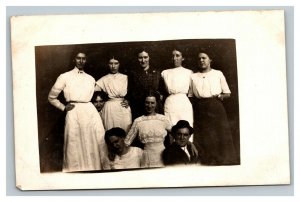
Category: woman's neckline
<point>151,114</point>
<point>206,71</point>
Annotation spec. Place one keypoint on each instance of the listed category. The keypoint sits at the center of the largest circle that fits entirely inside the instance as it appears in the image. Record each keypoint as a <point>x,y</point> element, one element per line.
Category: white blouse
<point>115,85</point>
<point>150,129</point>
<point>209,84</point>
<point>132,159</point>
<point>77,86</point>
<point>177,80</point>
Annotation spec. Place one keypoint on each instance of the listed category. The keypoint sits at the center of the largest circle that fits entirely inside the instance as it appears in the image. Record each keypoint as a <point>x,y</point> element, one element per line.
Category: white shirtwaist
<point>84,146</point>
<point>209,84</point>
<point>177,105</point>
<point>113,114</point>
<point>151,131</point>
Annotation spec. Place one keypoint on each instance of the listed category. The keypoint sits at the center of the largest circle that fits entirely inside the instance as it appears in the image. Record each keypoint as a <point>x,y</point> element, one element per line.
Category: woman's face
<point>150,105</point>
<point>204,61</point>
<point>80,60</point>
<point>113,66</point>
<point>99,103</point>
<point>144,58</point>
<point>177,58</point>
<point>117,144</point>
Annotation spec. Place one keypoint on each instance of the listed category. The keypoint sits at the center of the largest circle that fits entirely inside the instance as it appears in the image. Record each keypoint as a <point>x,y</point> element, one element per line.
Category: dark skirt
<point>212,133</point>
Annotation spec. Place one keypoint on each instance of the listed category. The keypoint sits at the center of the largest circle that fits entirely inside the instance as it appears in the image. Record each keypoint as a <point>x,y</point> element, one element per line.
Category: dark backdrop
<point>51,61</point>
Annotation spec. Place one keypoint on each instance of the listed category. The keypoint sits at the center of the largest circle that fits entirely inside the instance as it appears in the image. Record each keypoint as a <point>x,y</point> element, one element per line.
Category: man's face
<point>117,144</point>
<point>80,60</point>
<point>182,136</point>
<point>144,58</point>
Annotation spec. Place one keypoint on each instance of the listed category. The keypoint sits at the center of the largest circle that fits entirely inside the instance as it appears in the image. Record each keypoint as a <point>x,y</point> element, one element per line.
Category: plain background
<point>53,60</point>
<point>255,190</point>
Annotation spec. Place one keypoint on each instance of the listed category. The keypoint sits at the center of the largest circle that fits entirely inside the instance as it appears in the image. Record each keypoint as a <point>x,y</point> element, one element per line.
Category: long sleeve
<point>130,88</point>
<point>162,89</point>
<point>131,134</point>
<point>55,91</point>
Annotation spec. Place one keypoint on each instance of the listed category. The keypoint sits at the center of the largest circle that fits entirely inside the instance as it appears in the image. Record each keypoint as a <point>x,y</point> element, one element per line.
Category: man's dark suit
<point>174,155</point>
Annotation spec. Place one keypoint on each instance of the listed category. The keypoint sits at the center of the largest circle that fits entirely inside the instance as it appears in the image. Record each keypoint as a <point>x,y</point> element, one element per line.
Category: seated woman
<point>151,129</point>
<point>120,155</point>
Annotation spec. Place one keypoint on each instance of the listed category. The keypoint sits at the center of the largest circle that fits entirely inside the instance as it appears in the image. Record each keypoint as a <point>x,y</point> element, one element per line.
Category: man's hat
<point>182,124</point>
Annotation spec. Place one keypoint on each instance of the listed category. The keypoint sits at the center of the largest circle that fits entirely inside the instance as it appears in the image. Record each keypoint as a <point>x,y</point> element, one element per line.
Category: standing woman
<point>140,81</point>
<point>84,146</point>
<point>152,129</point>
<point>177,82</point>
<point>114,114</point>
<point>212,130</point>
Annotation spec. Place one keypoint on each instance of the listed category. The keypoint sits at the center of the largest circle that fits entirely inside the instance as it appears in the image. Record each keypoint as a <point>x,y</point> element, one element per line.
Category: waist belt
<point>77,102</point>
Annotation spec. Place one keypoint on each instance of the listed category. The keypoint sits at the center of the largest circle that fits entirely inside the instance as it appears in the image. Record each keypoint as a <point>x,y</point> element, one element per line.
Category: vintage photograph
<point>150,100</point>
<point>129,105</point>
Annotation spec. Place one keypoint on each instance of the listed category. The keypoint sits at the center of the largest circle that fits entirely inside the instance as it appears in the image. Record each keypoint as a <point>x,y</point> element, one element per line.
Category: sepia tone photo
<point>183,103</point>
<point>126,74</point>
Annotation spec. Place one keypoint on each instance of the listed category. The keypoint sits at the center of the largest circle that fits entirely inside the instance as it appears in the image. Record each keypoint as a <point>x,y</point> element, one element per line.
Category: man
<point>120,155</point>
<point>180,151</point>
<point>84,144</point>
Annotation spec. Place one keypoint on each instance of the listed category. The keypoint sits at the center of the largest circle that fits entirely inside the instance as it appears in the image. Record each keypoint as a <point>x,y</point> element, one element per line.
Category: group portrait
<point>137,105</point>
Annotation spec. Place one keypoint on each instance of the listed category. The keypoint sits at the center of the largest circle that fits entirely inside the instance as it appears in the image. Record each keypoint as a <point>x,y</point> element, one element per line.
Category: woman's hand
<point>69,107</point>
<point>222,96</point>
<point>125,103</point>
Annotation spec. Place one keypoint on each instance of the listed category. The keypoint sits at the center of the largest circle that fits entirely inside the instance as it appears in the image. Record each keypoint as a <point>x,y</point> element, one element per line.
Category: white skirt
<point>114,115</point>
<point>178,107</point>
<point>152,155</point>
<point>84,145</point>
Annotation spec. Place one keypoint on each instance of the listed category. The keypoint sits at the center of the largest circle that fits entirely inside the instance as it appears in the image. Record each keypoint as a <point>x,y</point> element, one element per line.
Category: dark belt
<point>77,102</point>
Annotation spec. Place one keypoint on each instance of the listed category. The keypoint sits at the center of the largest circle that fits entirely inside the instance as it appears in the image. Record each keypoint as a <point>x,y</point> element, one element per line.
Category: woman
<point>114,114</point>
<point>84,146</point>
<point>151,128</point>
<point>177,81</point>
<point>121,156</point>
<point>144,78</point>
<point>212,130</point>
<point>99,98</point>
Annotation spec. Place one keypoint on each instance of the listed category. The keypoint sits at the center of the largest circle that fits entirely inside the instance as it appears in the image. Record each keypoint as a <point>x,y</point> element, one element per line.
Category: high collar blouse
<point>115,85</point>
<point>209,84</point>
<point>76,85</point>
<point>177,80</point>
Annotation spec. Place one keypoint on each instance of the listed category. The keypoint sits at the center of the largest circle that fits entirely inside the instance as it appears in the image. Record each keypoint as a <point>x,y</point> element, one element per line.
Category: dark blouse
<point>139,83</point>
